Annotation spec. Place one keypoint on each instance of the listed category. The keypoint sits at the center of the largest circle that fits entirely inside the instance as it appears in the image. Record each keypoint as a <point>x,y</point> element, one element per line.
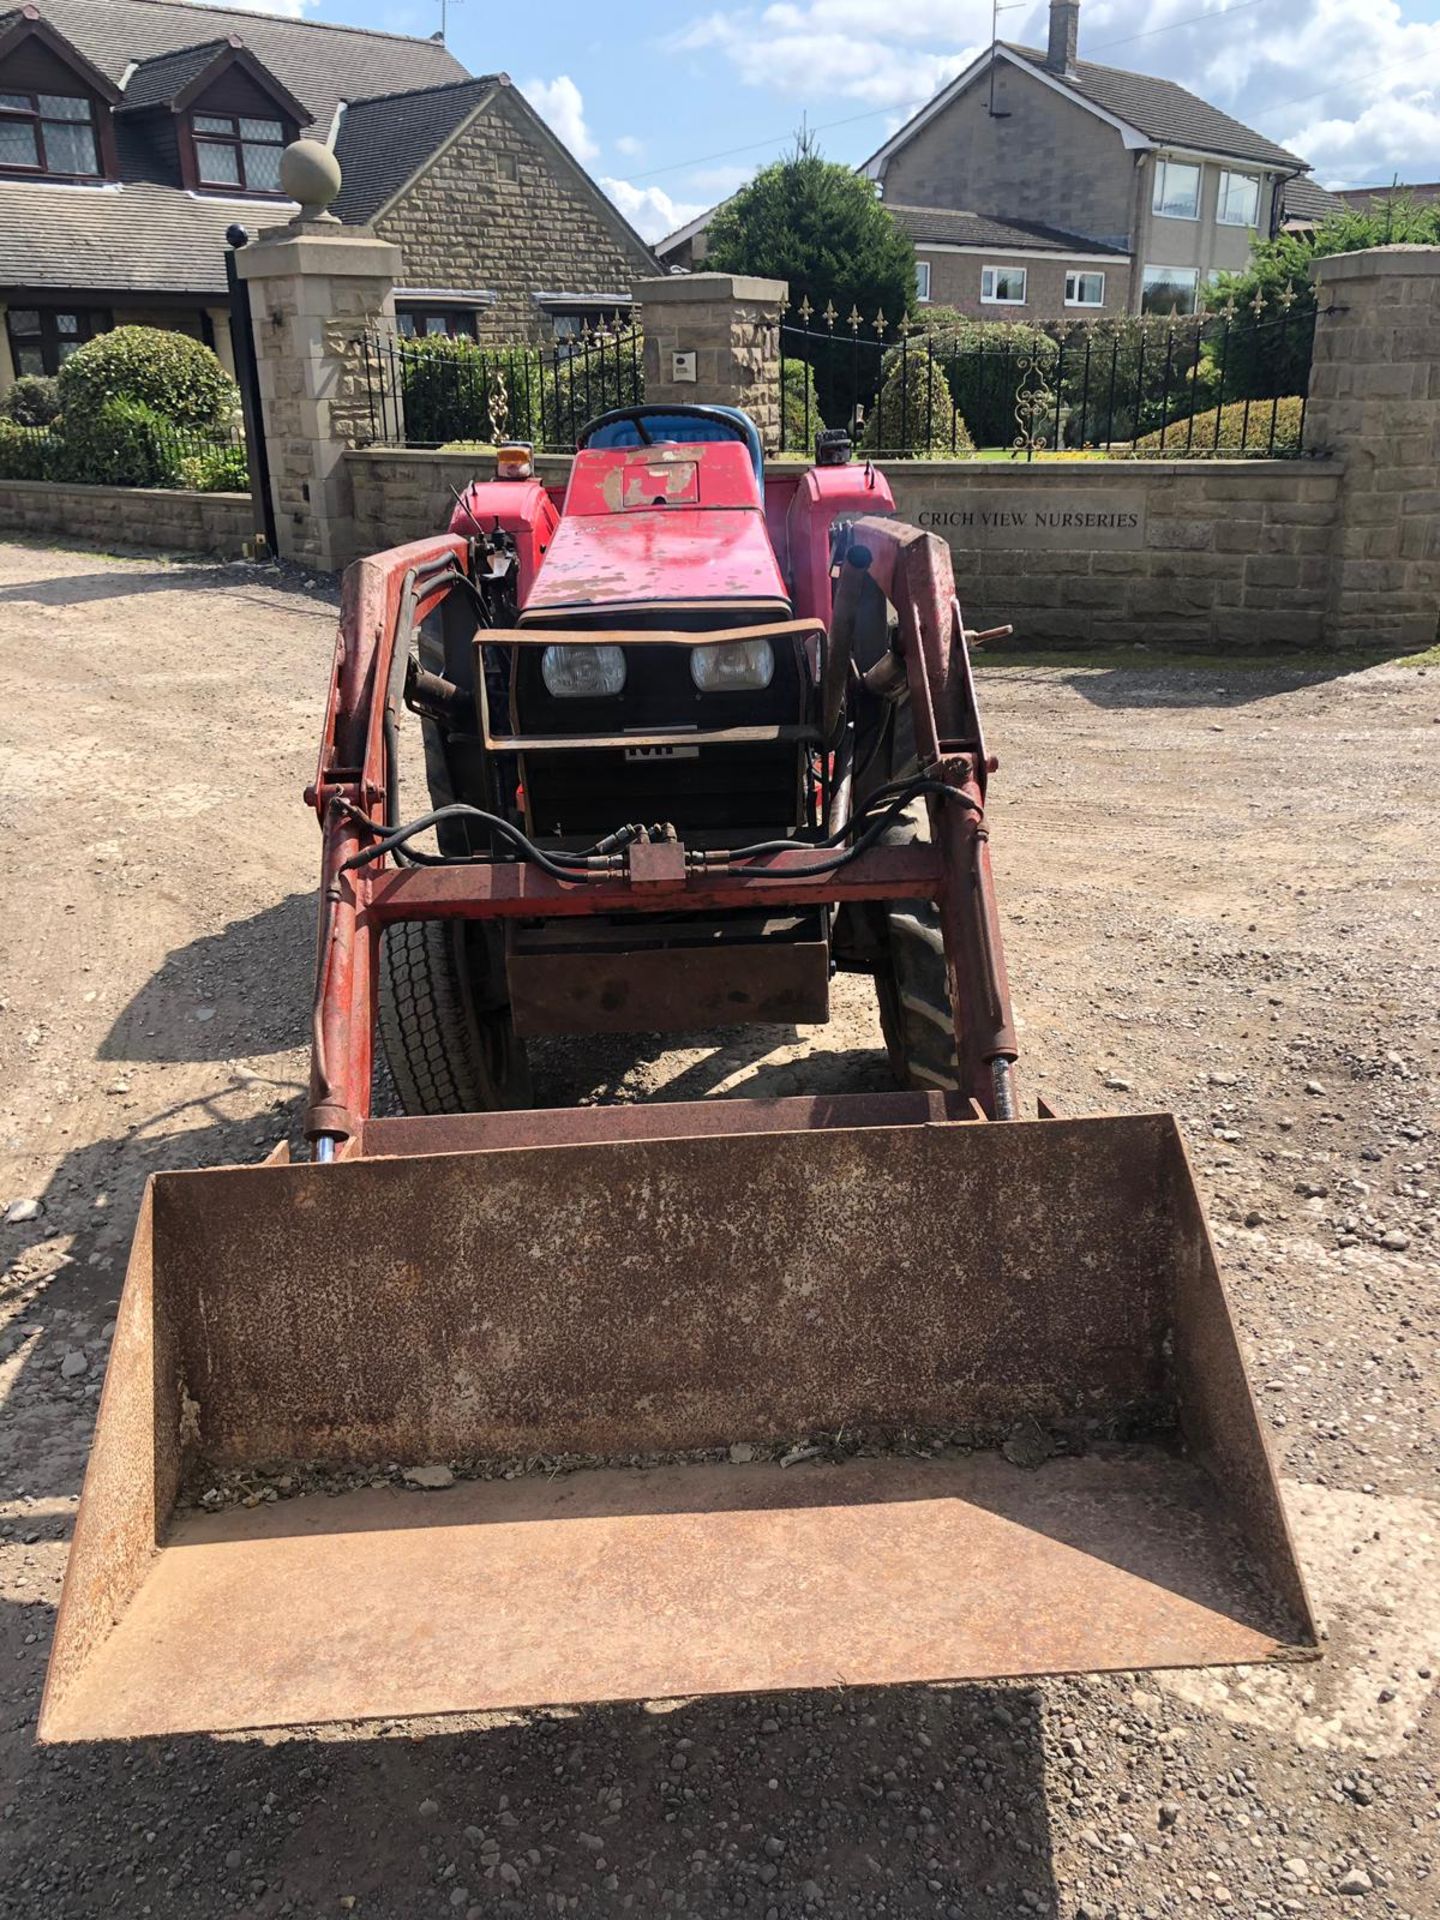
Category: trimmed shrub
<point>914,412</point>
<point>177,377</point>
<point>123,443</point>
<point>24,451</point>
<point>1235,435</point>
<point>983,362</point>
<point>215,470</point>
<point>33,401</point>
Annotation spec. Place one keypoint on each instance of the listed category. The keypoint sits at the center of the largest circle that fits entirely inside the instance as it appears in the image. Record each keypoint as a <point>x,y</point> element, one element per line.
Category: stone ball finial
<point>310,173</point>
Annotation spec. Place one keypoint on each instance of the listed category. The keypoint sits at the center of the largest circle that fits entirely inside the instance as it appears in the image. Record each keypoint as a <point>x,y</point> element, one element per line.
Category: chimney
<point>1064,34</point>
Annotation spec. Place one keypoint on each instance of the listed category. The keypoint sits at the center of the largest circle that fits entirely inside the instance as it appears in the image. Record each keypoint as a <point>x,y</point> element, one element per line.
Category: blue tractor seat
<point>675,426</point>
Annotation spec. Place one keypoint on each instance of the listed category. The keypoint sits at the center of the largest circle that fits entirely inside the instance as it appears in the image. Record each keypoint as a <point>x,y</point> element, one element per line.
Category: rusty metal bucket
<point>522,1285</point>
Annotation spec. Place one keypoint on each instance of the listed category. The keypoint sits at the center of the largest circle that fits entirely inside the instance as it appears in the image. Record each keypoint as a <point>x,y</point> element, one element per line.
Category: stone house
<point>466,178</point>
<point>1040,186</point>
<point>134,133</point>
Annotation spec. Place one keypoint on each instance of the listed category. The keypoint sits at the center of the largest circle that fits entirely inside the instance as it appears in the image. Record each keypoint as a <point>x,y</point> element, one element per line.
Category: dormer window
<point>52,134</point>
<point>234,151</point>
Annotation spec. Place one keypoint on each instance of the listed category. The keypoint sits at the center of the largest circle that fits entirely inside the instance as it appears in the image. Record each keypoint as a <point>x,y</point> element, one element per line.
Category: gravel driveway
<point>1221,893</point>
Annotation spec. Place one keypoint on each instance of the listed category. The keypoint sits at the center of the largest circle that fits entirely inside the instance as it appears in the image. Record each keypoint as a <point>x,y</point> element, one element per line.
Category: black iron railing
<point>118,446</point>
<point>1212,385</point>
<point>443,392</point>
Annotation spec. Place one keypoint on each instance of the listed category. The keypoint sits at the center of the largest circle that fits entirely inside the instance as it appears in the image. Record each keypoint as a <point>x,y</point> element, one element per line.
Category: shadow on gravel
<point>907,1800</point>
<point>242,992</point>
<point>43,1440</point>
<point>84,589</point>
<point>602,1069</point>
<point>1145,686</point>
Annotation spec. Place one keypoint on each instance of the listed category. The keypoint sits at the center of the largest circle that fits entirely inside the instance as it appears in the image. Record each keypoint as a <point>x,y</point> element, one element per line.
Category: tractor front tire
<point>911,983</point>
<point>446,1054</point>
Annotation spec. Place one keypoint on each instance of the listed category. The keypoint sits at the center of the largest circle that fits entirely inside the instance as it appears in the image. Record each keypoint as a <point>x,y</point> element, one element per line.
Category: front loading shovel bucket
<point>1037,1448</point>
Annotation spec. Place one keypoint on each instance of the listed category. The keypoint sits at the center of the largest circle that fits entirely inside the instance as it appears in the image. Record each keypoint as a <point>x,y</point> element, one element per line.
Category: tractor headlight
<point>582,673</point>
<point>740,666</point>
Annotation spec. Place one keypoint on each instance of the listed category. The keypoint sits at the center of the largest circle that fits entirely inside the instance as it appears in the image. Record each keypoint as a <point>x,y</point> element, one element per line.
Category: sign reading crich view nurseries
<point>1053,517</point>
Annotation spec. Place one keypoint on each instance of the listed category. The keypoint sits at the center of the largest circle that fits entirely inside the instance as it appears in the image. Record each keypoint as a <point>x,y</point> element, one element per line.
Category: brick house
<point>133,133</point>
<point>1038,185</point>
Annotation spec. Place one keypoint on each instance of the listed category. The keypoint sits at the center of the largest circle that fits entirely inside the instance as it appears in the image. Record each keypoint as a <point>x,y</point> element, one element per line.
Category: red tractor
<point>679,683</point>
<point>714,1396</point>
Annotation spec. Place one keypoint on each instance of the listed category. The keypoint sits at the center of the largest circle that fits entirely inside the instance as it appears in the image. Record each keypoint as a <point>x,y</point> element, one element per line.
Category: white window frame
<point>1251,180</point>
<point>922,281</point>
<point>993,299</point>
<point>1162,170</point>
<point>1073,277</point>
<point>1177,276</point>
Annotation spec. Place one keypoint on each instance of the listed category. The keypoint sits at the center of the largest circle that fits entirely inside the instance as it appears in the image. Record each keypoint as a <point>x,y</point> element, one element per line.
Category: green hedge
<point>915,412</point>
<point>24,451</point>
<point>174,375</point>
<point>1238,434</point>
<point>33,400</point>
<point>123,443</point>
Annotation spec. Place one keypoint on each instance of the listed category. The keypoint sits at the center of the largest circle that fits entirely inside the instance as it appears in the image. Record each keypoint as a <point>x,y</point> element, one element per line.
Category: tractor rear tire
<point>911,983</point>
<point>445,1054</point>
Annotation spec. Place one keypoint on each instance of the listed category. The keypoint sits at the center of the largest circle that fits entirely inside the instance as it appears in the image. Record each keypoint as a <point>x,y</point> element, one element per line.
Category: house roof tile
<point>318,63</point>
<point>156,82</point>
<point>952,226</point>
<point>383,140</point>
<point>1165,112</point>
<point>137,238</point>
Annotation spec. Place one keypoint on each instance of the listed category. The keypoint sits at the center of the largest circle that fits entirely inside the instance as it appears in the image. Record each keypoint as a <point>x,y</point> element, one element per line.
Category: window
<point>922,279</point>
<point>1168,289</point>
<point>233,151</point>
<point>42,339</point>
<point>49,133</point>
<point>454,323</point>
<point>1177,190</point>
<point>1003,286</point>
<point>1084,289</point>
<point>1238,204</point>
<point>507,166</point>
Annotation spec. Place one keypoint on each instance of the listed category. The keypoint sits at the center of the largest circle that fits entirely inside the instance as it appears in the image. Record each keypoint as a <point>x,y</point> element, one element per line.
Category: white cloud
<point>650,210</point>
<point>1352,85</point>
<point>629,145</point>
<point>818,50</point>
<point>561,105</point>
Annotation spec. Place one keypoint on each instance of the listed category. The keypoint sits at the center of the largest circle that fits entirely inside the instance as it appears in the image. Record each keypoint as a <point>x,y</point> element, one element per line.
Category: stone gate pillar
<point>713,339</point>
<point>1375,402</point>
<point>317,291</point>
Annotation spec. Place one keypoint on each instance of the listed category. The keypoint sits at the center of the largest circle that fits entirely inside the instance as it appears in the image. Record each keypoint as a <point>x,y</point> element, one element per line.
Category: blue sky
<point>672,103</point>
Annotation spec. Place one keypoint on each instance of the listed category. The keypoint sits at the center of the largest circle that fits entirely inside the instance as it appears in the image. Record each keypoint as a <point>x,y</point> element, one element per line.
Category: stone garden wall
<point>163,519</point>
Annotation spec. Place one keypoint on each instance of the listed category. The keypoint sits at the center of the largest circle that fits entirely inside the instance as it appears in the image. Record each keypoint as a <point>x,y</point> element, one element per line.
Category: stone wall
<point>170,522</point>
<point>403,494</point>
<point>1375,396</point>
<point>318,293</point>
<point>730,323</point>
<point>1202,553</point>
<point>1169,553</point>
<point>505,207</point>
